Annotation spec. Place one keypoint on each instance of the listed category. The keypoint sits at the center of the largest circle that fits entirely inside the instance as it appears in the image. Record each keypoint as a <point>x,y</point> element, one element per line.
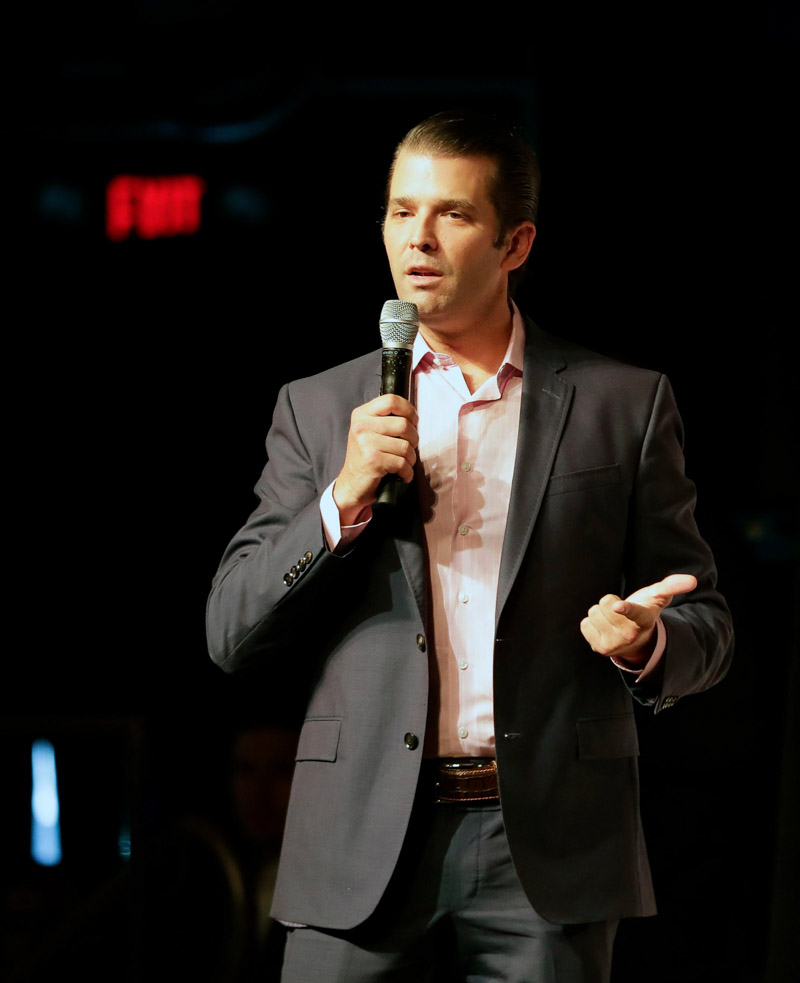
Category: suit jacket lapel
<point>410,541</point>
<point>545,403</point>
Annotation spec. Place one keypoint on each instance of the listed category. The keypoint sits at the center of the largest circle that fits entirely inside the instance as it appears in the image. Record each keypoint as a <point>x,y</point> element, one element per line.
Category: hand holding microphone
<point>382,443</point>
<point>399,326</point>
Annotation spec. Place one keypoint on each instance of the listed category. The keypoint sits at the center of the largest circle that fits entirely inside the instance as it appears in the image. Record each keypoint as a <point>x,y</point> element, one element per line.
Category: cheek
<point>393,252</point>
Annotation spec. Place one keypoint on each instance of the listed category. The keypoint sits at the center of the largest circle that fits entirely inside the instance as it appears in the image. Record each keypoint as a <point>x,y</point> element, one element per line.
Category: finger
<point>606,639</point>
<point>590,633</point>
<point>379,455</point>
<point>396,427</point>
<point>679,583</point>
<point>659,595</point>
<point>640,615</point>
<point>400,446</point>
<point>612,610</point>
<point>368,428</point>
<point>399,458</point>
<point>616,628</point>
<point>390,404</point>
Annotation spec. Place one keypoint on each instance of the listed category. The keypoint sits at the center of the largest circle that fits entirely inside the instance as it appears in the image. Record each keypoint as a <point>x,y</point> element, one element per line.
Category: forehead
<point>425,175</point>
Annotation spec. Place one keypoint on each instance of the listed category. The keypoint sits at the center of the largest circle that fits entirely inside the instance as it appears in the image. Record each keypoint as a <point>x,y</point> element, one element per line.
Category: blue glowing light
<point>45,828</point>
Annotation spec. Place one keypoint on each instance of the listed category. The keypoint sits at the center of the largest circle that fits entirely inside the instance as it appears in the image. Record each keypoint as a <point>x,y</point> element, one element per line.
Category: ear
<point>518,245</point>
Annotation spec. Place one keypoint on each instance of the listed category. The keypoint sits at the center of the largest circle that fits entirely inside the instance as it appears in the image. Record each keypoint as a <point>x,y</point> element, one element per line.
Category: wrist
<point>350,512</point>
<point>635,659</point>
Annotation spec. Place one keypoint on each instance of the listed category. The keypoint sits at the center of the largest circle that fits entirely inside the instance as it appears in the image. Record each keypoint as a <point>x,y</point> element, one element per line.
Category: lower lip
<point>419,280</point>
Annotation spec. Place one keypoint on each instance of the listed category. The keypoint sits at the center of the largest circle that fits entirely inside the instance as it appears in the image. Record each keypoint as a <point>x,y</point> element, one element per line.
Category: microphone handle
<point>395,379</point>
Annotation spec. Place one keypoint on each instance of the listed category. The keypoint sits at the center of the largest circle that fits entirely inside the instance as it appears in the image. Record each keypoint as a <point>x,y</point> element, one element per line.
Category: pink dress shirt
<point>467,445</point>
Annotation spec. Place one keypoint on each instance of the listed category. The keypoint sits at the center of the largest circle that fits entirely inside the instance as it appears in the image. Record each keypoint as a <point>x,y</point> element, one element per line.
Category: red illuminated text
<point>153,207</point>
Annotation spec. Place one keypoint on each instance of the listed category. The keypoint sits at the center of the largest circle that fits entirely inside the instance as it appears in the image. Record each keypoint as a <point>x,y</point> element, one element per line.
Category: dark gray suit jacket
<point>599,504</point>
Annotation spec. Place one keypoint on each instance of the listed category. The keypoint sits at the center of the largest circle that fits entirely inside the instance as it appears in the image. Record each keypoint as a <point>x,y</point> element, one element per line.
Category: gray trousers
<point>454,912</point>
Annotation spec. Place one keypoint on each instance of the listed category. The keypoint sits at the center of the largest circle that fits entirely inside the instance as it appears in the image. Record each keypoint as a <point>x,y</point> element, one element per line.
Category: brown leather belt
<point>458,780</point>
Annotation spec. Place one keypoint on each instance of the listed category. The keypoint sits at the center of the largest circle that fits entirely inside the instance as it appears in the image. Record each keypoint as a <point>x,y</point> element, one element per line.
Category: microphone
<point>399,326</point>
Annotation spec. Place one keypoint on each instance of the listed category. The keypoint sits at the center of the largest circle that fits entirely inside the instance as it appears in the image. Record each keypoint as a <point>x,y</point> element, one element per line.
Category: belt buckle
<point>467,780</point>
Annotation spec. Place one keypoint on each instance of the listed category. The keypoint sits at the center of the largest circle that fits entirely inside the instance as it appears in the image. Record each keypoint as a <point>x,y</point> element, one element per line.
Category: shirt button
<point>466,466</point>
<point>462,663</point>
<point>463,530</point>
<point>411,741</point>
<point>463,732</point>
<point>421,643</point>
<point>463,597</point>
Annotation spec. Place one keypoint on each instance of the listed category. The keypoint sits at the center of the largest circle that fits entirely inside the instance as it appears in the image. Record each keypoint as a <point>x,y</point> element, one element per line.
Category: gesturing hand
<point>625,629</point>
<point>382,440</point>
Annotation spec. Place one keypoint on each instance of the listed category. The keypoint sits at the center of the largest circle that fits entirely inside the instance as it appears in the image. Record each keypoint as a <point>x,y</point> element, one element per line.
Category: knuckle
<point>393,404</point>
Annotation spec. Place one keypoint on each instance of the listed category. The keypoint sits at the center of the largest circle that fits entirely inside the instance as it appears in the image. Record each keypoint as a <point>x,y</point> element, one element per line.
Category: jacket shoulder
<point>578,363</point>
<point>355,373</point>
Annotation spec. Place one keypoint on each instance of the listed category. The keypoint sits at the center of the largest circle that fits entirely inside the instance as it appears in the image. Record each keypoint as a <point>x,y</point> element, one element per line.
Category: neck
<point>477,349</point>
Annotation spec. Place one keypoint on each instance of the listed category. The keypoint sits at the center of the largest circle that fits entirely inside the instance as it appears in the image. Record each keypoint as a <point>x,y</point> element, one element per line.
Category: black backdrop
<point>143,376</point>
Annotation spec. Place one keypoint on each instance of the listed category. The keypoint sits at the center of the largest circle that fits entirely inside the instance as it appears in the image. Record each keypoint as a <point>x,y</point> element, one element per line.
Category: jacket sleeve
<point>663,538</point>
<point>276,568</point>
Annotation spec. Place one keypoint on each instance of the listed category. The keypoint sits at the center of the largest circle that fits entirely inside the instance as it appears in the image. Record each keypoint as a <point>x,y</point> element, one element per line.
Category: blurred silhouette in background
<point>209,891</point>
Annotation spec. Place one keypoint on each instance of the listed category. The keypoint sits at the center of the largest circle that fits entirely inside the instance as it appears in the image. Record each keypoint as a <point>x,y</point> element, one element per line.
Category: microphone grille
<point>399,323</point>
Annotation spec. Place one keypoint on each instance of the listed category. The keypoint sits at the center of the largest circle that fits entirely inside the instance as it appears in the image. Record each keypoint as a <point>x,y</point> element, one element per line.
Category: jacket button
<point>288,579</point>
<point>301,563</point>
<point>411,741</point>
<point>309,556</point>
<point>421,643</point>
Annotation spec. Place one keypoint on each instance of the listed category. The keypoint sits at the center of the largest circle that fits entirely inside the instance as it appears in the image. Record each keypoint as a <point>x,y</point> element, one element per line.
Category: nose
<point>423,237</point>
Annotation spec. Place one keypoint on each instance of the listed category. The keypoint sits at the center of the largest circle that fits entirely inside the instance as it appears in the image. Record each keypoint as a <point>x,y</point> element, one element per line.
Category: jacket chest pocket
<point>572,481</point>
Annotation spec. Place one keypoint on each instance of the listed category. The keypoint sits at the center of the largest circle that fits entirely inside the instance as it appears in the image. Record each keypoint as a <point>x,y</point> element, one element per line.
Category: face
<point>439,235</point>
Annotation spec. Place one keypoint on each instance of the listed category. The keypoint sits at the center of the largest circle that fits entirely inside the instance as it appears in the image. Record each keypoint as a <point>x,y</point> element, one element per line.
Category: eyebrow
<point>442,204</point>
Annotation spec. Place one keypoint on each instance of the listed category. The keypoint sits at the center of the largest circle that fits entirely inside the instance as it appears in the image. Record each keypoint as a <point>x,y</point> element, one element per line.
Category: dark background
<point>143,376</point>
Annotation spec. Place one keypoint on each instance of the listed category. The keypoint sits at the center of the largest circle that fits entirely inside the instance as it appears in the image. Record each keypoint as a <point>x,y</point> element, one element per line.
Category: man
<point>466,787</point>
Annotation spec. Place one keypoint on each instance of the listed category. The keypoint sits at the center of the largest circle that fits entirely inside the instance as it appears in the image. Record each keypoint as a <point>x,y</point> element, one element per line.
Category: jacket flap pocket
<point>608,737</point>
<point>560,484</point>
<point>319,739</point>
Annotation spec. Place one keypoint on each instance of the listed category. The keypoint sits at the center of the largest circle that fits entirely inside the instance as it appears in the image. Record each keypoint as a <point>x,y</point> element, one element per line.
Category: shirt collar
<point>512,360</point>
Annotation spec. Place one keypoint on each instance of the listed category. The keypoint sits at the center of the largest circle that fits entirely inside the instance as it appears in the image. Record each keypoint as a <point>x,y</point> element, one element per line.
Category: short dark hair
<point>515,189</point>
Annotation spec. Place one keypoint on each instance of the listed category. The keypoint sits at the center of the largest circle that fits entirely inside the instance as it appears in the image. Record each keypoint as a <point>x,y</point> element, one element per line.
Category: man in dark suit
<point>466,785</point>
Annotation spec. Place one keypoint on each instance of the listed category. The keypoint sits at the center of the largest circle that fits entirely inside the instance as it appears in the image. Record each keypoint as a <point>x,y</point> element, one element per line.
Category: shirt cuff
<point>655,658</point>
<point>339,537</point>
